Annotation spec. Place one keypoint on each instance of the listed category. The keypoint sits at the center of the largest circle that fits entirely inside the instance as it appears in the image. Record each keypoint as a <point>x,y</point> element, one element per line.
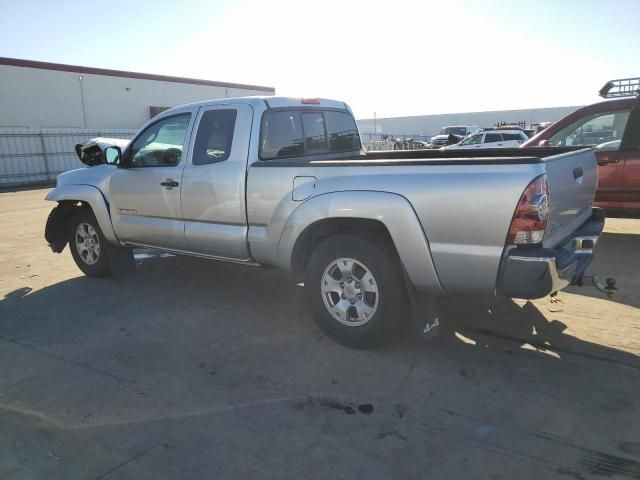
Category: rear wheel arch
<point>319,231</point>
<point>389,215</point>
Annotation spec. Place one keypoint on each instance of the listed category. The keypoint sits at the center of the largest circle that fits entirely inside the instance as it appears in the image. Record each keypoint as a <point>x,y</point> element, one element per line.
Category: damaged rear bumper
<point>537,272</point>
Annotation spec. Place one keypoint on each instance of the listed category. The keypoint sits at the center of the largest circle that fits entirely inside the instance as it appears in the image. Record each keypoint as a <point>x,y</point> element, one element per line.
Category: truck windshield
<point>462,131</point>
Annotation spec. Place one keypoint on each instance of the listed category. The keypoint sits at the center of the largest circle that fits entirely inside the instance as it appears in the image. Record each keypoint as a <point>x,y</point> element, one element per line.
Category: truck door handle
<point>169,183</point>
<point>607,160</point>
<point>577,173</point>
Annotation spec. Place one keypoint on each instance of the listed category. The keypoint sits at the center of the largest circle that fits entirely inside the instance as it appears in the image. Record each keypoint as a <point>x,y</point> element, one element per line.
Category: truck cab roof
<point>265,102</point>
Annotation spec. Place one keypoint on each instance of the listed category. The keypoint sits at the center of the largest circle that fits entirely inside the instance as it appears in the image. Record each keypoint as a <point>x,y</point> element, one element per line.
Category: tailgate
<point>573,178</point>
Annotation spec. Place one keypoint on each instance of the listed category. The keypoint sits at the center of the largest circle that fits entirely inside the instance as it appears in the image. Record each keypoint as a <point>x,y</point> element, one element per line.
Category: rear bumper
<point>537,272</point>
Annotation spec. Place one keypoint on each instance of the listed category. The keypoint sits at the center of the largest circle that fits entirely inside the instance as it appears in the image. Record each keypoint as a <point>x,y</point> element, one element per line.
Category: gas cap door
<point>303,188</point>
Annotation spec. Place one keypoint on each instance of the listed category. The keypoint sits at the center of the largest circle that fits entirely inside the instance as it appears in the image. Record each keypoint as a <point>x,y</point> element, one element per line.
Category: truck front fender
<point>89,195</point>
<point>392,210</point>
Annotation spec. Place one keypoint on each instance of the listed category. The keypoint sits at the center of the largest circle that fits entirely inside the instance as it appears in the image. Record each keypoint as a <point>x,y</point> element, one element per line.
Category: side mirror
<point>112,155</point>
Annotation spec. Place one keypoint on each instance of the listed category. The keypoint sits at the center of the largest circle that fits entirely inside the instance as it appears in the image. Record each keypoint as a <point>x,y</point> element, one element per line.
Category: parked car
<point>455,132</point>
<point>529,132</point>
<point>410,144</point>
<point>612,128</point>
<point>491,139</point>
<point>539,127</point>
<point>378,236</point>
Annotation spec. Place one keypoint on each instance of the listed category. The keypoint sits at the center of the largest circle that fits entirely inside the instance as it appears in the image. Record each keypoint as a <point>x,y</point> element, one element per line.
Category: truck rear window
<point>287,133</point>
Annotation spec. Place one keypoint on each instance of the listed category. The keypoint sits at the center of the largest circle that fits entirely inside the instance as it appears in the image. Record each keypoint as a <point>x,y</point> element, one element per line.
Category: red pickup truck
<point>612,127</point>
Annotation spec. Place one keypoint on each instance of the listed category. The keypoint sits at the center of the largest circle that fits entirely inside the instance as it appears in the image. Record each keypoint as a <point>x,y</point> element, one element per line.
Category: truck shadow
<point>183,336</point>
<point>238,301</point>
<point>616,256</point>
<point>507,327</point>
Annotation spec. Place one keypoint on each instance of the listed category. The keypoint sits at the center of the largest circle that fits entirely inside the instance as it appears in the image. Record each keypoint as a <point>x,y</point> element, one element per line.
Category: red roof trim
<point>16,62</point>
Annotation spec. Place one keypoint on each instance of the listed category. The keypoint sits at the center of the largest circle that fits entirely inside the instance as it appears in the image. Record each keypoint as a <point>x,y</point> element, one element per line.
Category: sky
<point>388,58</point>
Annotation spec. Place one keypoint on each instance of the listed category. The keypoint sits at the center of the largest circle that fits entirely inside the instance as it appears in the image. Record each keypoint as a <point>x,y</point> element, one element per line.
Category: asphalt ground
<point>196,369</point>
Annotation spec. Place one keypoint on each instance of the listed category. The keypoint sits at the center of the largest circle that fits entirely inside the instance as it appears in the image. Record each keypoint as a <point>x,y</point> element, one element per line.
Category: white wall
<point>39,98</point>
<point>31,156</point>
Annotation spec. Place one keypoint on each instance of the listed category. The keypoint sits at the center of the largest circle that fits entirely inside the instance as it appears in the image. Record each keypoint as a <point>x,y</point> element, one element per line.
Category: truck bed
<point>488,156</point>
<point>463,200</point>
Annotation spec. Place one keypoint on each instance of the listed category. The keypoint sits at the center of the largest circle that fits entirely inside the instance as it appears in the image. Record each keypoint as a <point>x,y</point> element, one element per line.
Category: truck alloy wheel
<point>349,292</point>
<point>354,289</point>
<point>87,243</point>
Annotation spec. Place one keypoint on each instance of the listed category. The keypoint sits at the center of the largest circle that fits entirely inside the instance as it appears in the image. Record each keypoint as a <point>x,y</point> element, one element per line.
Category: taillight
<point>310,101</point>
<point>530,218</point>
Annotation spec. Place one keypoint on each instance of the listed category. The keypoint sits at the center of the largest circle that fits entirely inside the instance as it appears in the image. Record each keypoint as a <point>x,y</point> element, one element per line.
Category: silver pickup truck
<point>378,236</point>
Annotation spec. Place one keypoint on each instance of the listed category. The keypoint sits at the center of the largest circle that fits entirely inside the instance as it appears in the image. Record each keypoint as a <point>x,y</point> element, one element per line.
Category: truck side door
<point>631,173</point>
<point>214,182</point>
<point>604,132</point>
<point>144,197</point>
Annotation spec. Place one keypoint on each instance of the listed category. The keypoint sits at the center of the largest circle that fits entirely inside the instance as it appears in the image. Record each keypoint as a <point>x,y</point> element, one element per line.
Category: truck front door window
<point>160,145</point>
<point>604,130</point>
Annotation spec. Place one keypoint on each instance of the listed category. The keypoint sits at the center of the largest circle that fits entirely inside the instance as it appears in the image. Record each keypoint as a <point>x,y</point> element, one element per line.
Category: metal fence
<point>32,156</point>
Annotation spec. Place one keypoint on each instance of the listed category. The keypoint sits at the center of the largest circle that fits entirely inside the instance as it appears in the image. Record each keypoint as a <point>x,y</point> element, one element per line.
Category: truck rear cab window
<point>281,135</point>
<point>214,137</point>
<point>343,133</point>
<point>287,133</point>
<point>315,138</point>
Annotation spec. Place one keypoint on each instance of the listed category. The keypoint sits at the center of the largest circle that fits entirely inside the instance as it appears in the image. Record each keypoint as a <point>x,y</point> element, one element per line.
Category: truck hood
<point>91,152</point>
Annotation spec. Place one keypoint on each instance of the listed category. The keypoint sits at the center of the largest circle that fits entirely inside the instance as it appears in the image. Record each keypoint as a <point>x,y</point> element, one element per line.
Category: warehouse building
<point>47,108</point>
<point>423,127</point>
<point>51,95</point>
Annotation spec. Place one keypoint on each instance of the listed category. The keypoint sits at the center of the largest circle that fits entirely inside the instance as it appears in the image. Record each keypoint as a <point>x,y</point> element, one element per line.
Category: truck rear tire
<point>88,245</point>
<point>354,290</point>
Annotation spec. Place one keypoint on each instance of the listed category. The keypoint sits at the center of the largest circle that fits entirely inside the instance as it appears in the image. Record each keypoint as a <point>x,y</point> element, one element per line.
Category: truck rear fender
<point>70,197</point>
<point>355,211</point>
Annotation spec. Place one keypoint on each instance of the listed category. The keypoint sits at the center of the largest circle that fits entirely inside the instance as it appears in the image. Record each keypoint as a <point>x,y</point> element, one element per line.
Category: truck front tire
<point>88,245</point>
<point>354,290</point>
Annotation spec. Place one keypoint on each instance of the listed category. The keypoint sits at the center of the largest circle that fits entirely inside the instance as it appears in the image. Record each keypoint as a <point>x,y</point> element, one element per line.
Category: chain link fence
<point>37,156</point>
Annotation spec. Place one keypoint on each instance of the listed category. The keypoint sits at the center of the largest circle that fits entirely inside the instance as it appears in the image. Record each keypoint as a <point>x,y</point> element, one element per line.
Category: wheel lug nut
<point>343,296</point>
<point>341,284</point>
<point>353,301</point>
